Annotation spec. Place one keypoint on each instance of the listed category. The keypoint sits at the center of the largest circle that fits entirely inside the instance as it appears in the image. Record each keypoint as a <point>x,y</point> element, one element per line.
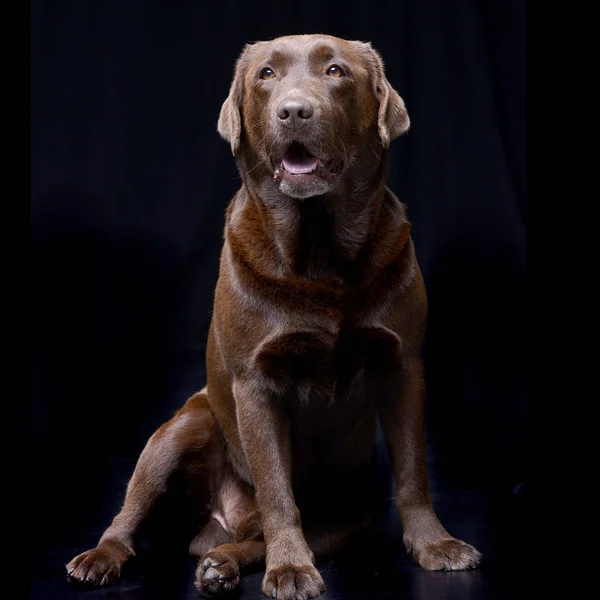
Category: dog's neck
<point>320,237</point>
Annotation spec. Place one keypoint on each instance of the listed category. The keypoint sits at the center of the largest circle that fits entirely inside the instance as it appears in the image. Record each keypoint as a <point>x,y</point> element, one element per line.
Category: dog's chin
<point>301,174</point>
<point>303,186</point>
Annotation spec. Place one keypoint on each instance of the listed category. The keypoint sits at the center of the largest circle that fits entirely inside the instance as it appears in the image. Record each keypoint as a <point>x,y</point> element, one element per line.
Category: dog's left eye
<point>335,71</point>
<point>267,73</point>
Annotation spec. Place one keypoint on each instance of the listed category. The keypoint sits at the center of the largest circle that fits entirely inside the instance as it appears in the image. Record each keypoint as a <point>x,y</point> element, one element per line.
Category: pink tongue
<point>300,165</point>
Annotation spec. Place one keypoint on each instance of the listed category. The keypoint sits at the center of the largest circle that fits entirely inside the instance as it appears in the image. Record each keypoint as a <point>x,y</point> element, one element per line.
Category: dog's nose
<point>294,112</point>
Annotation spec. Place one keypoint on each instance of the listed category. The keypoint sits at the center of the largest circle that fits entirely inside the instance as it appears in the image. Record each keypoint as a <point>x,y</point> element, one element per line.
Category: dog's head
<point>306,107</point>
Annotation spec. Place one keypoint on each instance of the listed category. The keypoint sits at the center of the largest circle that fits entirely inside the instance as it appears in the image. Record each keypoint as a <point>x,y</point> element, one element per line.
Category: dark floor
<point>375,566</point>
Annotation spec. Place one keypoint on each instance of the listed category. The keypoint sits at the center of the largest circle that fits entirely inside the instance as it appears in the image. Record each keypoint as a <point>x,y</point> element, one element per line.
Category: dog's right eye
<point>267,73</point>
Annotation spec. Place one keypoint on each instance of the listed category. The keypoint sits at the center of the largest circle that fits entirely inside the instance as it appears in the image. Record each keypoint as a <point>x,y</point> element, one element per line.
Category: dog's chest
<point>323,367</point>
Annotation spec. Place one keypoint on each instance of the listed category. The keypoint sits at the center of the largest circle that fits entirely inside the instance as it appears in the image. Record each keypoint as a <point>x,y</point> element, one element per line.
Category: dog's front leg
<point>265,431</point>
<point>403,421</point>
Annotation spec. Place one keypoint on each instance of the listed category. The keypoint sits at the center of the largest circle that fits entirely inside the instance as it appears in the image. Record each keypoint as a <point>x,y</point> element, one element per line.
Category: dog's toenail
<point>211,574</point>
<point>213,589</point>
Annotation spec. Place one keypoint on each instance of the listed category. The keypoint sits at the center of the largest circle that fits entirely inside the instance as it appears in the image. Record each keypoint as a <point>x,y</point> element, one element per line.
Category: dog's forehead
<point>305,48</point>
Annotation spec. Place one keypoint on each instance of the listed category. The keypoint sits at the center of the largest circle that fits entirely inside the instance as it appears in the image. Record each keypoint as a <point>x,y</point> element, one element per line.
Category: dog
<point>319,317</point>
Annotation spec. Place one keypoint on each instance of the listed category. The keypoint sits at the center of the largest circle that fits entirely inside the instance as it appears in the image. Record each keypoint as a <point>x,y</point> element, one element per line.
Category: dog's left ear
<point>230,118</point>
<point>392,118</point>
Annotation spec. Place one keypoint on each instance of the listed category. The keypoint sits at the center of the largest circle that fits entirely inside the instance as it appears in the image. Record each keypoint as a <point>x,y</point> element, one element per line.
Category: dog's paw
<point>216,573</point>
<point>293,582</point>
<point>100,566</point>
<point>447,554</point>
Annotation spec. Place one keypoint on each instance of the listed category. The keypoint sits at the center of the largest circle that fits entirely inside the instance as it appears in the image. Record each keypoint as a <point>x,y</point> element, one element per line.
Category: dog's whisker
<point>241,175</point>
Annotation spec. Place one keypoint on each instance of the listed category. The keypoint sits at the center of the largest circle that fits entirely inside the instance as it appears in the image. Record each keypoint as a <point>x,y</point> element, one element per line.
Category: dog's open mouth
<point>298,163</point>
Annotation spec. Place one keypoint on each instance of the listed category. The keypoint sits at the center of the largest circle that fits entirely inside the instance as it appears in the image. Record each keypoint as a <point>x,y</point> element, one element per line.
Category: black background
<point>130,181</point>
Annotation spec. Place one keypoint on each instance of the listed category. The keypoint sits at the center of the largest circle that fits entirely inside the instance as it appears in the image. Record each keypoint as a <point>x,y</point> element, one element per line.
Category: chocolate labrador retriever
<point>319,317</point>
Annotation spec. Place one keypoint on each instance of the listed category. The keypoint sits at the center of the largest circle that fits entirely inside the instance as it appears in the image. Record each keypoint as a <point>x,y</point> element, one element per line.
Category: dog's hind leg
<point>220,564</point>
<point>219,569</point>
<point>192,434</point>
<point>210,536</point>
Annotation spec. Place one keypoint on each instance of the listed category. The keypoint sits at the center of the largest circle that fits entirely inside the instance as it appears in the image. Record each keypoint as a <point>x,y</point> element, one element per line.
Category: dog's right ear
<point>230,118</point>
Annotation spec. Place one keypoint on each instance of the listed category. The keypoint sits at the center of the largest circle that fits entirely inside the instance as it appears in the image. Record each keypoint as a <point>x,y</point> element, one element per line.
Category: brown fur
<point>319,317</point>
